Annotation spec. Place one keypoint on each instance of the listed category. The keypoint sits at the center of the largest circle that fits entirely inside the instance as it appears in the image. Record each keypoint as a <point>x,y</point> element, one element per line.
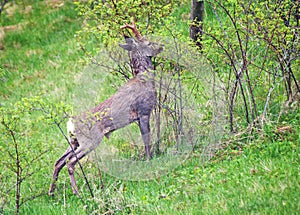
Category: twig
<point>80,166</point>
<point>67,139</point>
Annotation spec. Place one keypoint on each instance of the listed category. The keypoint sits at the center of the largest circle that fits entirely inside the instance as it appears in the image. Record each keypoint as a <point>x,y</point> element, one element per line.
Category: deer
<point>132,102</point>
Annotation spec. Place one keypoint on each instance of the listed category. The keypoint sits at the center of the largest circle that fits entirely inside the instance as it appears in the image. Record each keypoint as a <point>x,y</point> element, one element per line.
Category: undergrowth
<point>256,173</point>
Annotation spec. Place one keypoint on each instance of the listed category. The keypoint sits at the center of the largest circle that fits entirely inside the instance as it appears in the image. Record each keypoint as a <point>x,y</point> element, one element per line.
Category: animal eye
<point>148,43</point>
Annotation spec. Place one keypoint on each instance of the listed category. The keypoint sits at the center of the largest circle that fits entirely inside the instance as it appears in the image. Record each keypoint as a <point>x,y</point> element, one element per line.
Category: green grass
<point>260,177</point>
<point>42,56</point>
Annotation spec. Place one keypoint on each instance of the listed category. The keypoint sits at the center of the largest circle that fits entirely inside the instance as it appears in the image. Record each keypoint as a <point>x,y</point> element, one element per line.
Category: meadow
<point>40,58</point>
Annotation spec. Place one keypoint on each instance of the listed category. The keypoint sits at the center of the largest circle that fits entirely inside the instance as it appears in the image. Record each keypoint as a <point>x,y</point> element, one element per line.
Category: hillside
<point>253,172</point>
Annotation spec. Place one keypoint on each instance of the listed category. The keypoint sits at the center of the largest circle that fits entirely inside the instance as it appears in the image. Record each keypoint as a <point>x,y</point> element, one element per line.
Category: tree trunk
<point>197,11</point>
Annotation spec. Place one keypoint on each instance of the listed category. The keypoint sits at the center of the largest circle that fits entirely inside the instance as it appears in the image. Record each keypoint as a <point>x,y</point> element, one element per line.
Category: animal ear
<point>129,40</point>
<point>126,47</point>
<point>129,44</point>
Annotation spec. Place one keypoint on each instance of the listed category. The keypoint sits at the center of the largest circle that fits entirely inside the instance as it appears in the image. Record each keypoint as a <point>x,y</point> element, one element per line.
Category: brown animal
<point>132,102</point>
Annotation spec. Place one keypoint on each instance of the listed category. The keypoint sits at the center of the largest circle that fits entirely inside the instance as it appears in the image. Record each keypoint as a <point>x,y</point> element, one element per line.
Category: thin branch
<point>269,96</point>
<point>71,146</point>
<point>80,166</point>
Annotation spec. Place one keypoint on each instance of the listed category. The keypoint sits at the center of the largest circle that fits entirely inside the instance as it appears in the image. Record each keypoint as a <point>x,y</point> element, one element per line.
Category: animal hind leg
<point>60,163</point>
<point>87,143</point>
<point>71,167</point>
<point>79,154</point>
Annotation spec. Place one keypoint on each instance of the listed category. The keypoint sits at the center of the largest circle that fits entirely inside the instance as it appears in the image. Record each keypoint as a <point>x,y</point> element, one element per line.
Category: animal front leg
<point>145,132</point>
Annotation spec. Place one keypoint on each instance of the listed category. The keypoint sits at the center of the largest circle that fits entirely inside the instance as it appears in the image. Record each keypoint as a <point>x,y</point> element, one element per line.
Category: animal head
<point>139,46</point>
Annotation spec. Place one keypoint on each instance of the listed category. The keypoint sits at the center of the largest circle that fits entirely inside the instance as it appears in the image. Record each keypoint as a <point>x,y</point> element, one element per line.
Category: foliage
<point>178,70</point>
<point>254,48</point>
<point>256,173</point>
<point>23,149</point>
<point>104,18</point>
<point>2,4</point>
<point>255,178</point>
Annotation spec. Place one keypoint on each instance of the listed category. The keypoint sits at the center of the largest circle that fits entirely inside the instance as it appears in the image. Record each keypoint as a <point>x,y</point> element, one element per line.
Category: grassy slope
<point>42,55</point>
<point>261,178</point>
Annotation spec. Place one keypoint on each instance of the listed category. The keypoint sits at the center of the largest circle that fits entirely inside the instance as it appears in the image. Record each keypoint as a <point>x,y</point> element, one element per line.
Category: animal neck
<point>141,64</point>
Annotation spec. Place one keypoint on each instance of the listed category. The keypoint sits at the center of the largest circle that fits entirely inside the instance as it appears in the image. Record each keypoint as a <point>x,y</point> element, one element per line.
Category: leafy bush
<point>254,48</point>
